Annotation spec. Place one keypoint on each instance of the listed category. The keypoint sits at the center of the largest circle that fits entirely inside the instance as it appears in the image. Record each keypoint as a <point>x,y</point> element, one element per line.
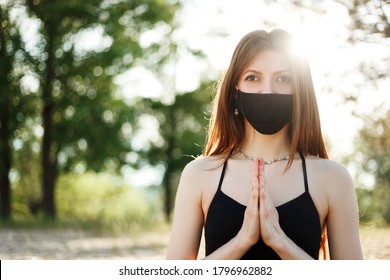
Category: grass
<point>92,227</point>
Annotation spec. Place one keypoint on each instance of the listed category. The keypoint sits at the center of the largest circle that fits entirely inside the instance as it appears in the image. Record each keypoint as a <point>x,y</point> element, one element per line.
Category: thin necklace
<point>267,162</point>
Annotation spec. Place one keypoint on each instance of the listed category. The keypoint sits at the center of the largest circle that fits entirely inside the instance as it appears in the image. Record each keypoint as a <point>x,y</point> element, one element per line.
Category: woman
<point>264,188</point>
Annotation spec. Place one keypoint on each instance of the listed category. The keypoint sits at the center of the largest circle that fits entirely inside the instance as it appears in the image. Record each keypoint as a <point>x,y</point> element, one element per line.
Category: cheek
<point>284,88</point>
<point>249,130</point>
<point>250,86</point>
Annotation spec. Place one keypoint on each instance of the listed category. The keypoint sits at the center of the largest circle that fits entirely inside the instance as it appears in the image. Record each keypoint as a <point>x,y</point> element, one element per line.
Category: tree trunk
<point>168,203</point>
<point>48,165</point>
<point>167,193</point>
<point>49,155</point>
<point>5,131</point>
<point>5,164</point>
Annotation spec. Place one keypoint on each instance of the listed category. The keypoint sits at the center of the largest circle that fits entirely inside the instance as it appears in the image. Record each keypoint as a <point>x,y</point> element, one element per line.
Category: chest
<point>298,218</point>
<point>284,186</point>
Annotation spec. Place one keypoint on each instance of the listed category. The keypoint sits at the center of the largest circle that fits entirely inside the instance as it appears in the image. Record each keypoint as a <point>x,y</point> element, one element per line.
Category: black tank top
<point>298,218</point>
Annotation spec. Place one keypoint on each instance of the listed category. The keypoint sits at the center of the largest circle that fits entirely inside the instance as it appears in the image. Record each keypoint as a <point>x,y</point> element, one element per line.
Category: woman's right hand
<point>250,231</point>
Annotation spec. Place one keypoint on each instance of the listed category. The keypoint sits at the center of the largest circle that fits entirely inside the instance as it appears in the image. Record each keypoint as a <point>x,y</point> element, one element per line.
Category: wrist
<point>244,242</point>
<point>288,250</point>
<point>279,243</point>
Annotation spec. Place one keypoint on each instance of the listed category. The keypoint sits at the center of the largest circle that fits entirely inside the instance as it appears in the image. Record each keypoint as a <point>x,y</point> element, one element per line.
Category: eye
<point>251,78</point>
<point>284,79</point>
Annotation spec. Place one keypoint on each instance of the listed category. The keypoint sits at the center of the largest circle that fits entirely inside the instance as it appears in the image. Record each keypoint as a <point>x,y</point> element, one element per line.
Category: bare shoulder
<point>202,163</point>
<point>328,167</point>
<point>330,174</point>
<point>201,171</point>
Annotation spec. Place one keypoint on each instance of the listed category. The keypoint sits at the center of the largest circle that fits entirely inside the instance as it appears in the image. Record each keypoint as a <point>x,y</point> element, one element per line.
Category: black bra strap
<point>222,174</point>
<point>304,172</point>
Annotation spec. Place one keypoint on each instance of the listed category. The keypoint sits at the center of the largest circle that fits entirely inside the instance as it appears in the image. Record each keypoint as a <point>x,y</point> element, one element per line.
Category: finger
<point>261,166</point>
<point>261,176</point>
<point>255,187</point>
<point>265,200</point>
<point>263,181</point>
<point>264,196</point>
<point>256,168</point>
<point>256,174</point>
<point>267,207</point>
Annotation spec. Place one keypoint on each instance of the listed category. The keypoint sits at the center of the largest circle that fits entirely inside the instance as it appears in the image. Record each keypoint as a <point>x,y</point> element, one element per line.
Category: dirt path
<point>375,243</point>
<point>77,244</point>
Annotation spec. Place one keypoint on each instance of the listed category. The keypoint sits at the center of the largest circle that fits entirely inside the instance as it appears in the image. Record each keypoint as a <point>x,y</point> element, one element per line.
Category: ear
<point>236,93</point>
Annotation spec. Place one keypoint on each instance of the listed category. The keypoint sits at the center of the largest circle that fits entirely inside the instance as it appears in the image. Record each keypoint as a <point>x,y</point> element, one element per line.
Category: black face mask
<point>267,113</point>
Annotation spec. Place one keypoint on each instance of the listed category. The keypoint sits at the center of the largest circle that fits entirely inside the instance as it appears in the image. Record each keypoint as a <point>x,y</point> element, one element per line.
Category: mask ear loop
<point>235,109</point>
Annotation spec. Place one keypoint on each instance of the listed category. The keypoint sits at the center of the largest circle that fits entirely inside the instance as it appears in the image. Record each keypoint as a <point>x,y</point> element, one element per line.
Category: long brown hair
<point>226,130</point>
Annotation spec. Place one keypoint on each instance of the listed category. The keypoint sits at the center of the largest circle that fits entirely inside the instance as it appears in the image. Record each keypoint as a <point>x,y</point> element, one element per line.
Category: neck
<point>267,147</point>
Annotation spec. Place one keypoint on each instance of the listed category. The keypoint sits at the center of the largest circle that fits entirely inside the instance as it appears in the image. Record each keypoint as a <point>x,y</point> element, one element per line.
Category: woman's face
<point>268,72</point>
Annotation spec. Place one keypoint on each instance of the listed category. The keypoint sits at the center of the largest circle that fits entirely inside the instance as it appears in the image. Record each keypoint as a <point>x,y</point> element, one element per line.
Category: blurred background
<point>103,102</point>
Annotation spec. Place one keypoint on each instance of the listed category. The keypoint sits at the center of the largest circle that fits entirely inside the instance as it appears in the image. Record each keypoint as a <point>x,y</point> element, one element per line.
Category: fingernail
<point>262,164</point>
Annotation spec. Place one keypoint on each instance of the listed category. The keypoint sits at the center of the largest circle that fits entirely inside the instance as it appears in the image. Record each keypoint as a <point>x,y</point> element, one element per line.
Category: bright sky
<point>321,38</point>
<point>215,27</point>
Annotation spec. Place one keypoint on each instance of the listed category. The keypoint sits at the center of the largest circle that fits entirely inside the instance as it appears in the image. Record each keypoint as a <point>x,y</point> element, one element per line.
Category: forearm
<point>233,250</point>
<point>288,250</point>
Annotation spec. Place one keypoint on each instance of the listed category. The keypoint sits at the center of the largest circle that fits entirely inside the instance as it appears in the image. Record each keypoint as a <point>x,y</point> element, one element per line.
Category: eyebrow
<point>257,72</point>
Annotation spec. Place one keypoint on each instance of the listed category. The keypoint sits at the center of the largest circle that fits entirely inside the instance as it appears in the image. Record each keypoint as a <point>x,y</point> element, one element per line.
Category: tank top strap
<point>222,174</point>
<point>304,172</point>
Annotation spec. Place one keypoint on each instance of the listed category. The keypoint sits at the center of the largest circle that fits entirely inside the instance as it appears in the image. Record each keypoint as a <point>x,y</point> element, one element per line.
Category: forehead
<point>268,61</point>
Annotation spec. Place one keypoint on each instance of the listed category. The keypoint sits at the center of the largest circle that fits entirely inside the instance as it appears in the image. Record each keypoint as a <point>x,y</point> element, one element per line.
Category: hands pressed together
<point>261,217</point>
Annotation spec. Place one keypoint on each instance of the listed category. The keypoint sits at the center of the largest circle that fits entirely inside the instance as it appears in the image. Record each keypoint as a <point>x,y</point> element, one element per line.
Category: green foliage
<point>374,206</point>
<point>106,202</point>
<point>373,158</point>
<point>101,202</point>
<point>182,128</point>
<point>76,82</point>
<point>74,55</point>
<point>18,105</point>
<point>26,191</point>
<point>371,204</point>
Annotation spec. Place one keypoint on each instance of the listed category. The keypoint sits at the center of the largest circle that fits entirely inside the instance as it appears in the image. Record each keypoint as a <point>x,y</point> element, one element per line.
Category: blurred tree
<point>373,146</point>
<point>81,48</point>
<point>182,127</point>
<point>16,101</point>
<point>369,19</point>
<point>8,36</point>
<point>370,26</point>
